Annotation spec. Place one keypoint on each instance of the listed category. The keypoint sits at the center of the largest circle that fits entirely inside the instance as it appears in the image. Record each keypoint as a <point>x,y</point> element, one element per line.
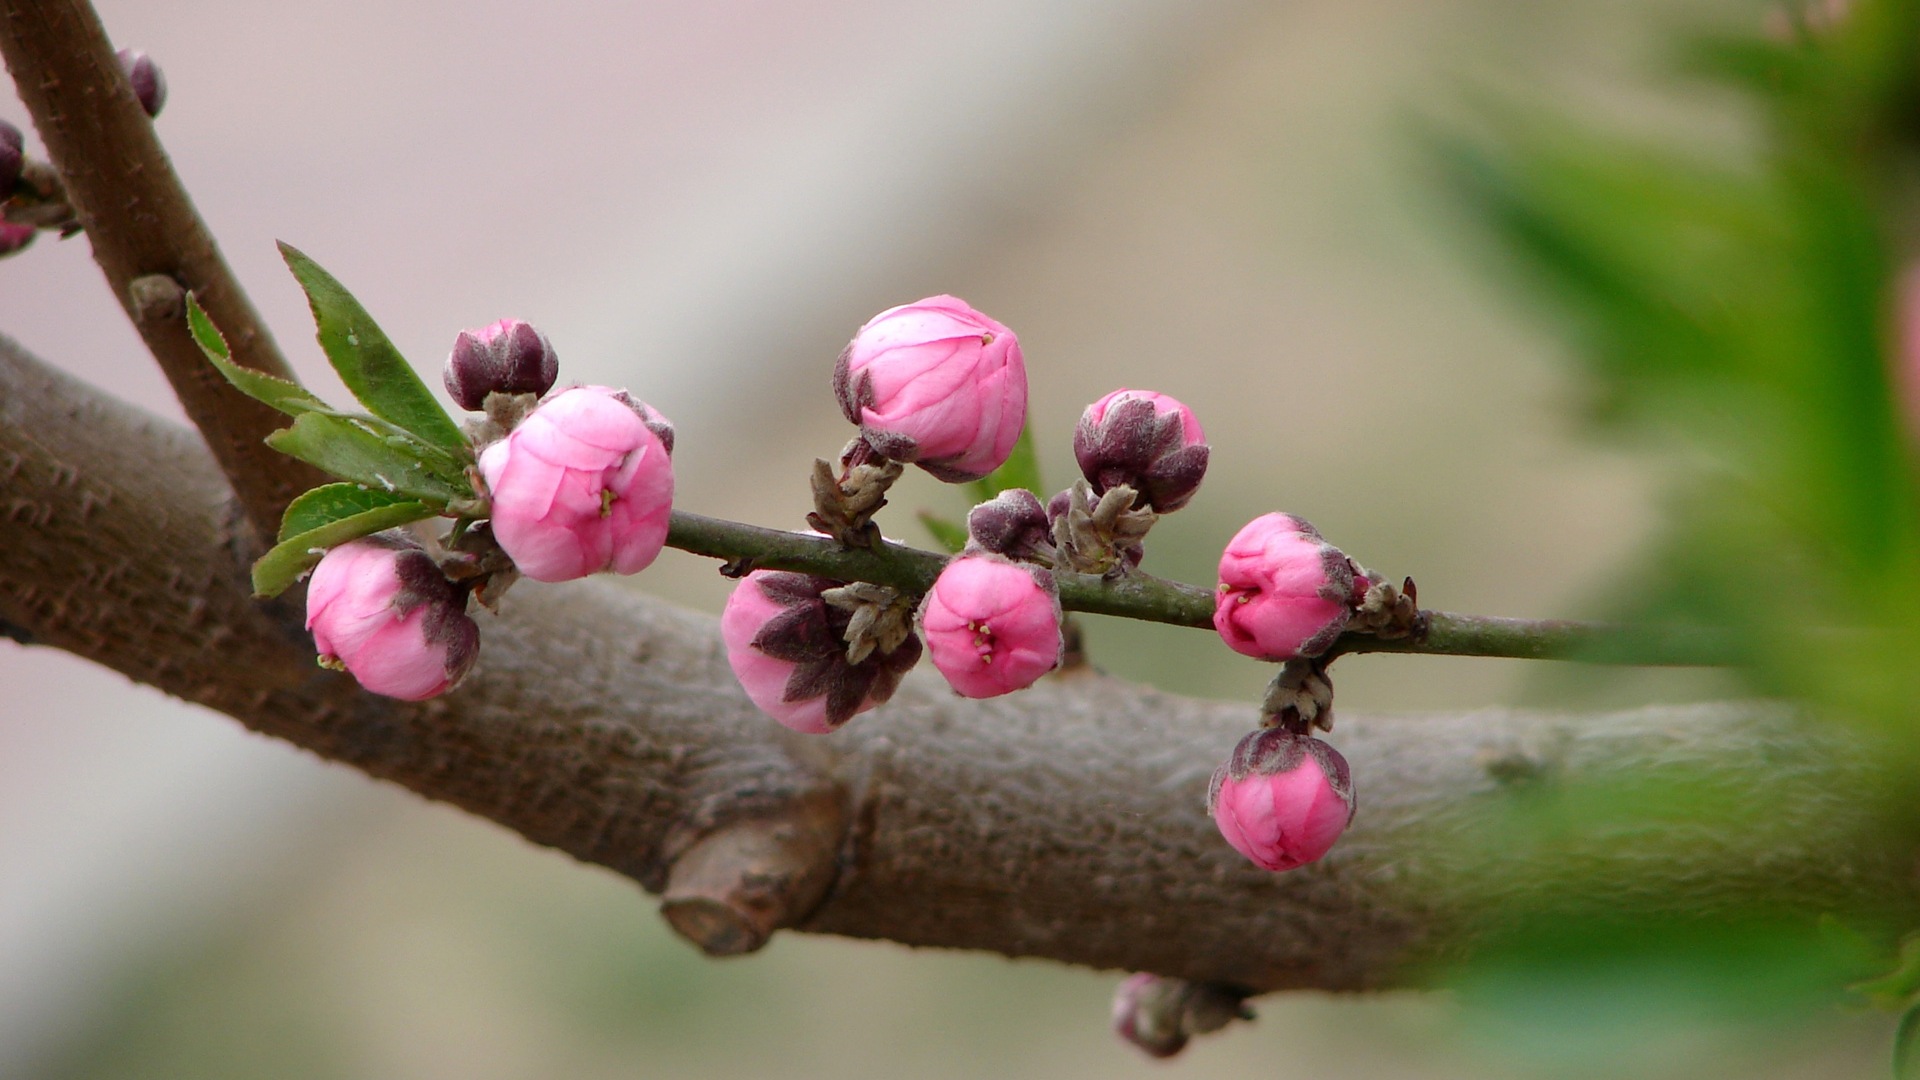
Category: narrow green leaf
<point>1897,987</point>
<point>290,558</point>
<point>351,451</point>
<point>288,397</point>
<point>367,362</point>
<point>333,502</point>
<point>1022,470</point>
<point>1906,1046</point>
<point>945,533</point>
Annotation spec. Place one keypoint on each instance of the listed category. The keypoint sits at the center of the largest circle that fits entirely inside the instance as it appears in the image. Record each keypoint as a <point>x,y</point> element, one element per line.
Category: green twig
<point>1152,599</point>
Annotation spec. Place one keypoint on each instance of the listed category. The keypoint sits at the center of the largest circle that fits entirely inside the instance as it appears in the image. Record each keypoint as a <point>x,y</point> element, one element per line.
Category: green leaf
<point>1897,988</point>
<point>367,362</point>
<point>288,397</point>
<point>945,533</point>
<point>292,557</point>
<point>333,502</point>
<point>1906,1046</point>
<point>1022,470</point>
<point>351,450</point>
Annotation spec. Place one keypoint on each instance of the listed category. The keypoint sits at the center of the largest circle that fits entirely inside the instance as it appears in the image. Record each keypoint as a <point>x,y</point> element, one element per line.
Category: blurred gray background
<point>1220,200</point>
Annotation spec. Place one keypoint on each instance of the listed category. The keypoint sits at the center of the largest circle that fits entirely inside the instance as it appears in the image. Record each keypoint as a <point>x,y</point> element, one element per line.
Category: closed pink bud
<point>1285,593</point>
<point>583,484</point>
<point>149,85</point>
<point>1282,799</point>
<point>13,158</point>
<point>1146,441</point>
<point>937,384</point>
<point>506,357</point>
<point>380,608</point>
<point>15,237</point>
<point>787,646</point>
<point>992,626</point>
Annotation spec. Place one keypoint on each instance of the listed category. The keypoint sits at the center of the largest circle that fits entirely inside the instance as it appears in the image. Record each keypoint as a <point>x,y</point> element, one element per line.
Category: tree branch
<point>141,223</point>
<point>1063,822</point>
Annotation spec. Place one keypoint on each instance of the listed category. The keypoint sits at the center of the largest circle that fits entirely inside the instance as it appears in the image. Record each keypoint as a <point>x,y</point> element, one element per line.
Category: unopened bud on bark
<point>937,384</point>
<point>1159,1015</point>
<point>788,644</point>
<point>992,626</point>
<point>1282,799</point>
<point>13,155</point>
<point>506,357</point>
<point>380,608</point>
<point>149,85</point>
<point>1285,593</point>
<point>1146,441</point>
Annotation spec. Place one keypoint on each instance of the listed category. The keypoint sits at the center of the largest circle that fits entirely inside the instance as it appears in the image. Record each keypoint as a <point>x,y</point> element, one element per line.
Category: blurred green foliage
<point>1737,311</point>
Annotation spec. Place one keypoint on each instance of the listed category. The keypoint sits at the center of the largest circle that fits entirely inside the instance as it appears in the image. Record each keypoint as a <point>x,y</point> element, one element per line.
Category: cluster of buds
<point>574,483</point>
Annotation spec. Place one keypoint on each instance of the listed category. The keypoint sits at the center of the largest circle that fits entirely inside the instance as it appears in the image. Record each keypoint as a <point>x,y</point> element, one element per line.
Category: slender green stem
<point>1152,599</point>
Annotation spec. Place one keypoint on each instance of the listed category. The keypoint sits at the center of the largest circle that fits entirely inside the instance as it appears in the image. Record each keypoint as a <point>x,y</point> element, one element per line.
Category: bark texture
<point>1064,822</point>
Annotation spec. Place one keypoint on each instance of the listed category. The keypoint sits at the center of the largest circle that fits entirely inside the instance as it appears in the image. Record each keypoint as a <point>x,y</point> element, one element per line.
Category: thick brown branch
<point>1063,822</point>
<point>141,223</point>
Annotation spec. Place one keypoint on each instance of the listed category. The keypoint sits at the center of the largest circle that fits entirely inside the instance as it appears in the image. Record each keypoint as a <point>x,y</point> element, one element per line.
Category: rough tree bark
<point>1064,822</point>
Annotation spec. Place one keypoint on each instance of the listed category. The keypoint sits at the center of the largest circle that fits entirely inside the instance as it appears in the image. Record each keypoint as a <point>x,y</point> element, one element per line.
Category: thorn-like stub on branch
<point>731,889</point>
<point>156,299</point>
<point>1159,1015</point>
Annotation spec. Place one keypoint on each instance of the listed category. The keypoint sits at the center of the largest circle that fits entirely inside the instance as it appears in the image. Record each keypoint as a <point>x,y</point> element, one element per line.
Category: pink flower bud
<point>938,384</point>
<point>148,84</point>
<point>584,484</point>
<point>382,610</point>
<point>13,156</point>
<point>1160,1015</point>
<point>15,237</point>
<point>506,357</point>
<point>787,646</point>
<point>1147,441</point>
<point>992,626</point>
<point>1285,593</point>
<point>1014,524</point>
<point>1282,799</point>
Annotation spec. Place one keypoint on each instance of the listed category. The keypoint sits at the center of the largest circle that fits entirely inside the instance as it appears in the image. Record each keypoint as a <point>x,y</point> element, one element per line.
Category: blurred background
<point>1217,199</point>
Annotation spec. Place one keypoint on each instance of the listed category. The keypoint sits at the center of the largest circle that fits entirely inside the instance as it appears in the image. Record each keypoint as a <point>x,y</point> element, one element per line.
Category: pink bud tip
<point>788,648</point>
<point>938,384</point>
<point>505,357</point>
<point>992,626</point>
<point>1285,593</point>
<point>1145,440</point>
<point>1282,799</point>
<point>380,608</point>
<point>583,484</point>
<point>149,85</point>
<point>15,237</point>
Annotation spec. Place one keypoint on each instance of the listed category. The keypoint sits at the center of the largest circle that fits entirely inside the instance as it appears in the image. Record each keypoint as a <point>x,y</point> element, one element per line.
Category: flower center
<point>982,640</point>
<point>606,502</point>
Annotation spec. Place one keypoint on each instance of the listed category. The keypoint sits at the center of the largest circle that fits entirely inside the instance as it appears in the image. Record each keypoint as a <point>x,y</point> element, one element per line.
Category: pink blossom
<point>992,626</point>
<point>382,610</point>
<point>584,484</point>
<point>787,647</point>
<point>938,384</point>
<point>1282,799</point>
<point>1285,593</point>
<point>504,357</point>
<point>1144,440</point>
